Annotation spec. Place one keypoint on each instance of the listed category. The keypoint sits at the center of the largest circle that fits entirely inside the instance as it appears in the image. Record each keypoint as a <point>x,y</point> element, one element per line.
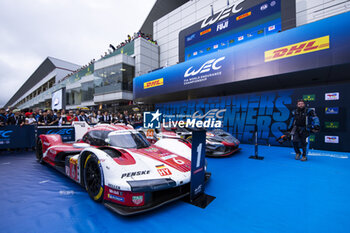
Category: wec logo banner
<point>224,13</point>
<point>309,46</point>
<point>206,67</point>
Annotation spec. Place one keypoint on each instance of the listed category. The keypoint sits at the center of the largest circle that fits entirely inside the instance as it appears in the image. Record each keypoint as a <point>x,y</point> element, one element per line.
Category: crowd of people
<point>136,35</point>
<point>62,117</point>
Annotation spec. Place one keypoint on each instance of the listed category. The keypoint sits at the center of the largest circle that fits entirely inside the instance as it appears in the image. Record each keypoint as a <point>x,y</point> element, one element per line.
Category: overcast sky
<point>72,30</point>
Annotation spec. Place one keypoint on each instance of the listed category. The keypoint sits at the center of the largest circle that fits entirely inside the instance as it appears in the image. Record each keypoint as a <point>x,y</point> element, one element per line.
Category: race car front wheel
<point>39,151</point>
<point>93,178</point>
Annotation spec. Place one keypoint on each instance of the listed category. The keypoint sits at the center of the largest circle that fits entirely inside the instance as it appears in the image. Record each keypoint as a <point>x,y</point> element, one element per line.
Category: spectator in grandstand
<point>29,112</point>
<point>63,112</point>
<point>9,113</point>
<point>112,47</point>
<point>77,113</point>
<point>70,117</point>
<point>3,117</point>
<point>45,119</point>
<point>30,120</point>
<point>16,119</point>
<point>105,118</point>
<point>83,117</point>
<point>99,114</point>
<point>53,116</point>
<point>93,118</point>
<point>38,114</point>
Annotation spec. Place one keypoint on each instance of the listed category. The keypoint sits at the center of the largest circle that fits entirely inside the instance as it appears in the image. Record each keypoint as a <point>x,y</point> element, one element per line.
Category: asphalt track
<point>277,194</point>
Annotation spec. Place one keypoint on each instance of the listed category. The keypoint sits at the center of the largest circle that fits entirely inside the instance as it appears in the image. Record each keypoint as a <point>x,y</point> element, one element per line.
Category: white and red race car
<point>119,167</point>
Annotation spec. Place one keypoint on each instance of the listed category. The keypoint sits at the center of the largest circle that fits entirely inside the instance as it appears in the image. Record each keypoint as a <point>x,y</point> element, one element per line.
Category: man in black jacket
<point>16,119</point>
<point>105,118</point>
<point>44,119</point>
<point>83,117</point>
<point>304,121</point>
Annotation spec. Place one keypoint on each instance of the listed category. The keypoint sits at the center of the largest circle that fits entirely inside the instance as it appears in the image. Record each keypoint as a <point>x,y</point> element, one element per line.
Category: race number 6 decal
<point>199,151</point>
<point>178,161</point>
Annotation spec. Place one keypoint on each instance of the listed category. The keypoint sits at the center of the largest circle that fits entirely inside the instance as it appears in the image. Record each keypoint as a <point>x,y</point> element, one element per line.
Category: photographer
<point>303,122</point>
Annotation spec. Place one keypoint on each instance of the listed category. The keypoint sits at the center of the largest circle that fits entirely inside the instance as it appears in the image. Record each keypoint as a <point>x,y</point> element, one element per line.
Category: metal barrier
<point>15,137</point>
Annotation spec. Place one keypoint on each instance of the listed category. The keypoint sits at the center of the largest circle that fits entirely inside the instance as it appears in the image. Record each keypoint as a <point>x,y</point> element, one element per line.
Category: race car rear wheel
<point>39,151</point>
<point>93,178</point>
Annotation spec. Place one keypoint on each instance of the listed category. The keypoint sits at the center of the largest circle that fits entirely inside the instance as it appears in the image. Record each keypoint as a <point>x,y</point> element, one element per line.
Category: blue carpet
<point>277,194</point>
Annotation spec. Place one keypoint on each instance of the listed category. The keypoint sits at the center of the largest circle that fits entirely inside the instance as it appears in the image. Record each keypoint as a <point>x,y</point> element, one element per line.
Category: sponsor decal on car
<point>245,15</point>
<point>300,48</point>
<point>332,110</point>
<point>332,96</point>
<point>168,157</point>
<point>114,197</point>
<point>331,125</point>
<point>150,135</point>
<point>215,46</point>
<point>137,200</point>
<point>153,83</point>
<point>46,143</point>
<point>113,186</point>
<point>261,31</point>
<point>309,97</point>
<point>136,173</point>
<point>331,139</point>
<point>240,38</point>
<point>163,171</point>
<point>115,192</point>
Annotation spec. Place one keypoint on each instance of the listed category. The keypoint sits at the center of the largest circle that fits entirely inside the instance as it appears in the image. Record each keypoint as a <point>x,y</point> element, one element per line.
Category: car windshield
<point>127,139</point>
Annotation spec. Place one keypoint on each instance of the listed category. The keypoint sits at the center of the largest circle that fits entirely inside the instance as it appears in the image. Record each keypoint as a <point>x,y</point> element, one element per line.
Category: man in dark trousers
<point>303,122</point>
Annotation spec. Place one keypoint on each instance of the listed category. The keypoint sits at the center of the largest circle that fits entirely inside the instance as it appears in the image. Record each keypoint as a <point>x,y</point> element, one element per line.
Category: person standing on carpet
<point>303,122</point>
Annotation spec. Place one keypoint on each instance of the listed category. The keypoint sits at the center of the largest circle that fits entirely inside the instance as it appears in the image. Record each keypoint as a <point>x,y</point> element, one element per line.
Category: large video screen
<point>240,22</point>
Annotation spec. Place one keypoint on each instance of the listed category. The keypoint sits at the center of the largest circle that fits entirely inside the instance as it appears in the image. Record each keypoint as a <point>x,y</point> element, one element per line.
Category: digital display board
<point>238,23</point>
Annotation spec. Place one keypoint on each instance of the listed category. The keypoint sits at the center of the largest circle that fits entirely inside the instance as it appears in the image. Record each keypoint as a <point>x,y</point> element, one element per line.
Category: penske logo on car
<point>153,83</point>
<point>308,46</point>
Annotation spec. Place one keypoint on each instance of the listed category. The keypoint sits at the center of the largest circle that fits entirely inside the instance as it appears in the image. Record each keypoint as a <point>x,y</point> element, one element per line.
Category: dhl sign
<point>244,15</point>
<point>153,83</point>
<point>205,31</point>
<point>309,46</point>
